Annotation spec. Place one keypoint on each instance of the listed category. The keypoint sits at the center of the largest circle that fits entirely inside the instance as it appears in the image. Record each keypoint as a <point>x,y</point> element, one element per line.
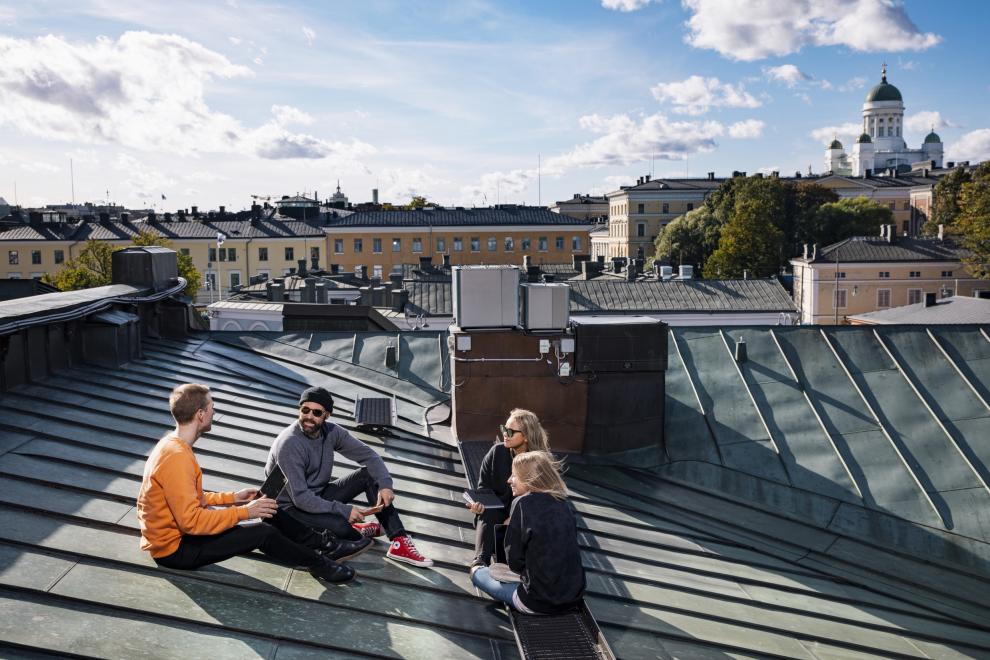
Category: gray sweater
<point>308,463</point>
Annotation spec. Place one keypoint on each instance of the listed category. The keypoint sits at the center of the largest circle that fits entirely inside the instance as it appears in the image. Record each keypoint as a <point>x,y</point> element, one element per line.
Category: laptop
<point>274,483</point>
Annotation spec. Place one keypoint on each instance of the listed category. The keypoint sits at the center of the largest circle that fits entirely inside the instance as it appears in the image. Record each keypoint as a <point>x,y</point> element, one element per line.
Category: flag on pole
<point>220,238</point>
<point>163,195</point>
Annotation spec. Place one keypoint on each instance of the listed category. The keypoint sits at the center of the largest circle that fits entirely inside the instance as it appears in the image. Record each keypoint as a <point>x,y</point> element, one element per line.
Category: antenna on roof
<point>539,181</point>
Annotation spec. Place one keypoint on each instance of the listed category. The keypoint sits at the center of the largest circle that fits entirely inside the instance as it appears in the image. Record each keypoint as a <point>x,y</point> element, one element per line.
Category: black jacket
<point>496,467</point>
<point>541,545</point>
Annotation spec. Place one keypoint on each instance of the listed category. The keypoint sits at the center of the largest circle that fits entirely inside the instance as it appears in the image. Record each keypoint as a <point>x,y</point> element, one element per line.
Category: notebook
<point>487,498</point>
<point>274,483</point>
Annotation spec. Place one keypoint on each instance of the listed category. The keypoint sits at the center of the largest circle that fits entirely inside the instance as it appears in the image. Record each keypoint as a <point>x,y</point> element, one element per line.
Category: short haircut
<point>537,439</point>
<point>188,399</point>
<point>540,472</point>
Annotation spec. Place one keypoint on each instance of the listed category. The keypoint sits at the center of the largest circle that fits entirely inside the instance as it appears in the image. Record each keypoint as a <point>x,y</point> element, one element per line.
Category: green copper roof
<point>865,138</point>
<point>932,138</point>
<point>835,145</point>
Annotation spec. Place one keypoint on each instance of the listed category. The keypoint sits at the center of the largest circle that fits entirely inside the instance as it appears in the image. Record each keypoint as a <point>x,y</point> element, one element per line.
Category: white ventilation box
<point>486,296</point>
<point>545,306</point>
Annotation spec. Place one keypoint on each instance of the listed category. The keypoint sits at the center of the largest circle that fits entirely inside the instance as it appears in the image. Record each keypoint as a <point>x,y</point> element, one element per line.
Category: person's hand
<point>263,507</point>
<point>477,508</point>
<point>245,496</point>
<point>385,497</point>
<point>356,515</point>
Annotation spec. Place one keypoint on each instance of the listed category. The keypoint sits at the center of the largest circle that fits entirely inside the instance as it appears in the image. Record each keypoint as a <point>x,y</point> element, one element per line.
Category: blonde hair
<point>540,472</point>
<point>188,399</point>
<point>537,439</point>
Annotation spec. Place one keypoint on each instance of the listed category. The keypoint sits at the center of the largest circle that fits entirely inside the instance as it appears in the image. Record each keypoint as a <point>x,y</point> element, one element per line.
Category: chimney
<point>364,272</point>
<point>321,293</point>
<point>374,195</point>
<point>578,259</point>
<point>223,211</point>
<point>181,214</point>
<point>277,292</point>
<point>601,262</point>
<point>590,269</point>
<point>930,300</point>
<point>740,350</point>
<point>104,218</point>
<point>631,272</point>
<point>711,176</point>
<point>399,299</point>
<point>151,216</point>
<point>527,262</point>
<point>309,290</point>
<point>335,269</point>
<point>426,264</point>
<point>685,272</point>
<point>195,211</point>
<point>125,218</point>
<point>532,274</point>
<point>616,264</point>
<point>302,267</point>
<point>950,165</point>
<point>745,274</point>
<point>941,232</point>
<point>396,280</point>
<point>446,261</point>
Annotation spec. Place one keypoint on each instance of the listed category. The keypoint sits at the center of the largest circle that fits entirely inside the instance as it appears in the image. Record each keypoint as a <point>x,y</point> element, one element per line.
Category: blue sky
<point>208,103</point>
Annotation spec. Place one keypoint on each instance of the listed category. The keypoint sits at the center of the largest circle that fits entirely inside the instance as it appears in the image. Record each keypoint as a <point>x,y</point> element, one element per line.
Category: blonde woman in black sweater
<point>540,542</point>
<point>522,432</point>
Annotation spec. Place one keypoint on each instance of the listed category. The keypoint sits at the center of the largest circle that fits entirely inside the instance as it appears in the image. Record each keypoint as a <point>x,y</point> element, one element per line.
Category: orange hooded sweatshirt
<point>172,503</point>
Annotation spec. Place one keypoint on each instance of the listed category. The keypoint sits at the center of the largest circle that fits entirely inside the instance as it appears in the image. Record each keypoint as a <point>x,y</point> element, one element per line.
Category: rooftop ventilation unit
<point>545,306</point>
<point>486,296</point>
<point>375,412</point>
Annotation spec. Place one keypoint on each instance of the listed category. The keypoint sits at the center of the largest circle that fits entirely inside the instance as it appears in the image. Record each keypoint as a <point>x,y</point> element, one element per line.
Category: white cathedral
<point>881,146</point>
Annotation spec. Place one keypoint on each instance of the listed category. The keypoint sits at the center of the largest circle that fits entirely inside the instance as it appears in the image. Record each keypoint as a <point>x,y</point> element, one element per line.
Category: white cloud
<point>788,74</point>
<point>851,85</point>
<point>611,183</point>
<point>398,186</point>
<point>234,40</point>
<point>310,34</point>
<point>848,131</point>
<point>625,5</point>
<point>696,95</point>
<point>973,146</point>
<point>753,29</point>
<point>287,114</point>
<point>750,128</point>
<point>39,167</point>
<point>140,178</point>
<point>927,120</point>
<point>144,91</point>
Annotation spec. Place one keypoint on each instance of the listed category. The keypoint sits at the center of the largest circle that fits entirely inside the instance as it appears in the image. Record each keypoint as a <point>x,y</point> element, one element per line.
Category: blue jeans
<point>498,590</point>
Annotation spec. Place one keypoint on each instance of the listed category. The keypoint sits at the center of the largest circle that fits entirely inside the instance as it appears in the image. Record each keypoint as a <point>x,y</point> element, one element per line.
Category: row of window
<point>14,258</point>
<point>230,254</point>
<point>914,296</point>
<point>641,208</point>
<point>457,244</point>
<point>885,274</point>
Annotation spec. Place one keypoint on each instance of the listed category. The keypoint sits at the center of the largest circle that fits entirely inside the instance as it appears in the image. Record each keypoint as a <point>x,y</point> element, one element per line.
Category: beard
<point>311,429</point>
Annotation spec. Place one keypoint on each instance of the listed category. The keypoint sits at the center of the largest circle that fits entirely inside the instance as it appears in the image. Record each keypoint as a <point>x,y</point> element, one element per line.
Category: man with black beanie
<point>305,452</point>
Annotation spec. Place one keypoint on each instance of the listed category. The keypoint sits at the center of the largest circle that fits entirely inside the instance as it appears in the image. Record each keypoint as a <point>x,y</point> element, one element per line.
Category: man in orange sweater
<point>178,526</point>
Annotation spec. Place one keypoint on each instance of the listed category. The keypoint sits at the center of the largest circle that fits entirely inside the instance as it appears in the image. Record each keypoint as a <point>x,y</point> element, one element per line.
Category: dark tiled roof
<point>956,309</point>
<point>271,226</point>
<point>705,185</point>
<point>46,232</point>
<point>507,216</point>
<point>646,296</point>
<point>870,249</point>
<point>752,541</point>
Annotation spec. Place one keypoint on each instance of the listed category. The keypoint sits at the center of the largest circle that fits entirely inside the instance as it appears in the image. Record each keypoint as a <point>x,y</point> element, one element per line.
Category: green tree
<point>689,239</point>
<point>418,202</point>
<point>973,222</point>
<point>804,202</point>
<point>750,241</point>
<point>856,216</point>
<point>945,201</point>
<point>93,266</point>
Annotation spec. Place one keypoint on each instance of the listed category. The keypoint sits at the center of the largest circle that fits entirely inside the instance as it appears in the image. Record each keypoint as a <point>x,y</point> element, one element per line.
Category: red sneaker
<point>369,530</point>
<point>402,548</point>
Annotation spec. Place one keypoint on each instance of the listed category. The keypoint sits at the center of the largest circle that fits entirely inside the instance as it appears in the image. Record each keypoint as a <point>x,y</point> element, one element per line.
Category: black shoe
<point>331,571</point>
<point>339,550</point>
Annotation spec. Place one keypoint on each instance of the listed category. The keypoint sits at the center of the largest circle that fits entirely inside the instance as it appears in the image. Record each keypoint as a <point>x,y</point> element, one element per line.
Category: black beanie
<point>318,395</point>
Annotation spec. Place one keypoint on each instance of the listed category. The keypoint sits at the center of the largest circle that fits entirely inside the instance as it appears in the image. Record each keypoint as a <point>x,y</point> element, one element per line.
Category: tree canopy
<point>945,201</point>
<point>750,241</point>
<point>689,239</point>
<point>856,216</point>
<point>972,224</point>
<point>93,266</point>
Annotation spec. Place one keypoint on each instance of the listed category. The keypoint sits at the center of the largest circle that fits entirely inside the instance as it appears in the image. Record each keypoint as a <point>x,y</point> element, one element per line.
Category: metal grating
<point>558,637</point>
<point>374,411</point>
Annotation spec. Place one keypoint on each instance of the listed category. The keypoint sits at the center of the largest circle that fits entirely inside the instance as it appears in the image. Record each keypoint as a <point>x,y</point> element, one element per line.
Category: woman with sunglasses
<point>522,432</point>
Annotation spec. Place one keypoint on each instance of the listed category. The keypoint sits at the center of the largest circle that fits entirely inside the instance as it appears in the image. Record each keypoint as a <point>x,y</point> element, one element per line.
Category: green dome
<point>884,91</point>
<point>865,138</point>
<point>835,145</point>
<point>932,138</point>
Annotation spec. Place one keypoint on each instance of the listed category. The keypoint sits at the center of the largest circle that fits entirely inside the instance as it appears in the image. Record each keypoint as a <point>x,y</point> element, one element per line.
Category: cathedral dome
<point>884,91</point>
<point>835,145</point>
<point>932,138</point>
<point>865,138</point>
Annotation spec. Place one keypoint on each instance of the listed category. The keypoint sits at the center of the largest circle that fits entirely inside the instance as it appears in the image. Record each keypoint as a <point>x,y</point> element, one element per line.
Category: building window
<point>223,254</point>
<point>235,278</point>
<point>666,207</point>
<point>396,245</point>
<point>914,296</point>
<point>641,229</point>
<point>510,244</point>
<point>376,245</point>
<point>893,206</point>
<point>358,245</point>
<point>441,245</point>
<point>576,243</point>
<point>458,244</point>
<point>35,257</point>
<point>840,275</point>
<point>475,244</point>
<point>690,206</point>
<point>840,299</point>
<point>262,254</point>
<point>211,254</point>
<point>884,275</point>
<point>883,298</point>
<point>290,254</point>
<point>417,245</point>
<point>492,244</point>
<point>641,208</point>
<point>525,244</point>
<point>376,271</point>
<point>559,243</point>
<point>541,244</point>
<point>60,255</point>
<point>914,273</point>
<point>946,273</point>
<point>338,246</point>
<point>314,254</point>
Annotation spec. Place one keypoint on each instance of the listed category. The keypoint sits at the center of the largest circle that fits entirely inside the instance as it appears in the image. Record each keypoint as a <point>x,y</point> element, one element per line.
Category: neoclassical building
<point>881,146</point>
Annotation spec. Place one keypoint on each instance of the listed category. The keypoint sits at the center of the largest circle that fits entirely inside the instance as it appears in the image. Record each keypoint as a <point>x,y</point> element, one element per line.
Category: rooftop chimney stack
<point>941,233</point>
<point>374,195</point>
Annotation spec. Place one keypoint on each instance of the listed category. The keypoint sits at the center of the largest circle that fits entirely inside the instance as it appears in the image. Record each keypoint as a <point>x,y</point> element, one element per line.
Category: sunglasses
<point>306,410</point>
<point>506,431</point>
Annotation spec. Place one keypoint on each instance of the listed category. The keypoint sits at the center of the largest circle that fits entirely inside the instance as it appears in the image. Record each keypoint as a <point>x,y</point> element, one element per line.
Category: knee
<point>479,576</point>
